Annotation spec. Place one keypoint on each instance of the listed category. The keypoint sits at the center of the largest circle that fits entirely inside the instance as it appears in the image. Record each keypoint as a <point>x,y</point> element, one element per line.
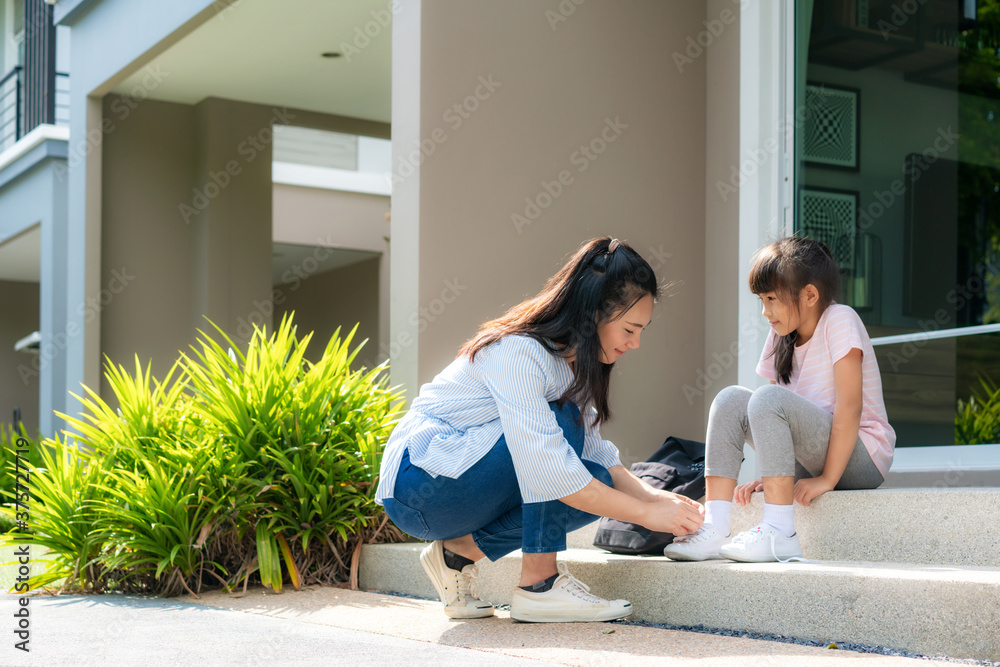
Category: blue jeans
<point>485,501</point>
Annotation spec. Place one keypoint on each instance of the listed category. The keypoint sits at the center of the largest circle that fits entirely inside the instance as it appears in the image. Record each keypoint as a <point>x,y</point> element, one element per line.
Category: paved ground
<point>114,630</point>
<point>329,626</point>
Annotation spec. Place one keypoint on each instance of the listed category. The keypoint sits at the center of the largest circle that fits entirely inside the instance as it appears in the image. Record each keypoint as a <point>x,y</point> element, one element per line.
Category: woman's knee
<point>568,418</point>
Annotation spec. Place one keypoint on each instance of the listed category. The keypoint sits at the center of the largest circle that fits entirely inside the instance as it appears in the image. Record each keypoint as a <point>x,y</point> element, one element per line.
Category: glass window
<point>898,171</point>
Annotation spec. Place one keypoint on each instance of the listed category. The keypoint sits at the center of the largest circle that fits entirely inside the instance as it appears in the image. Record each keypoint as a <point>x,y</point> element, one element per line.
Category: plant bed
<point>236,467</point>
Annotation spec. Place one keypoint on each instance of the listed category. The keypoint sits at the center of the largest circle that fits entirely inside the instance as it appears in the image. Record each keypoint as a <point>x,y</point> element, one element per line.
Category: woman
<point>502,450</point>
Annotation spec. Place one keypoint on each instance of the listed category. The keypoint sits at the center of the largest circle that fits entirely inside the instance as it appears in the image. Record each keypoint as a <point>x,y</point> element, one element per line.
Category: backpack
<point>678,466</point>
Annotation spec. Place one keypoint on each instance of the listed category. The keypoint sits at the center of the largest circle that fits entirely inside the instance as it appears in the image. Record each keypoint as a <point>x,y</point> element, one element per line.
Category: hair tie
<point>613,246</point>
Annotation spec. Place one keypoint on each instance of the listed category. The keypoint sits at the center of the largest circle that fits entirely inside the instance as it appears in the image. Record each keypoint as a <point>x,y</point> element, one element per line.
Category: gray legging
<point>792,436</point>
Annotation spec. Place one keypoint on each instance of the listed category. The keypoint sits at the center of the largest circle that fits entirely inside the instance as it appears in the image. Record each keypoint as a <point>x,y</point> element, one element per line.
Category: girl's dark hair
<point>785,267</point>
<point>602,280</point>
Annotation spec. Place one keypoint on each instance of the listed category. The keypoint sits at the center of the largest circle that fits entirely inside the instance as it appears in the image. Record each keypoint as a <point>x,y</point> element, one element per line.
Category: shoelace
<point>755,533</point>
<point>690,538</point>
<point>747,535</point>
<point>467,584</point>
<point>576,587</point>
<point>790,559</point>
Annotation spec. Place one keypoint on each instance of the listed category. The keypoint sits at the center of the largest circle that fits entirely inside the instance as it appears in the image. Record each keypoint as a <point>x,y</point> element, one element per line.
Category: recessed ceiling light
<point>331,54</point>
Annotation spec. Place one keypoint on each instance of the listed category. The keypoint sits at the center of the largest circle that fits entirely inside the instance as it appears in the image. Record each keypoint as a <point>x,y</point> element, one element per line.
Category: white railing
<point>940,333</point>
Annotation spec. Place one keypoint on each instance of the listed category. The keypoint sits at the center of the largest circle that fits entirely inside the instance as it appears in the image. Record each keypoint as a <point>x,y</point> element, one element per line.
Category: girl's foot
<point>702,544</point>
<point>568,600</point>
<point>762,544</point>
<point>457,589</point>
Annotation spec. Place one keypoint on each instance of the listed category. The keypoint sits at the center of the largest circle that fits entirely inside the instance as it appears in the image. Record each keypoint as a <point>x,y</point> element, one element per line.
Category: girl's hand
<point>744,491</point>
<point>811,488</point>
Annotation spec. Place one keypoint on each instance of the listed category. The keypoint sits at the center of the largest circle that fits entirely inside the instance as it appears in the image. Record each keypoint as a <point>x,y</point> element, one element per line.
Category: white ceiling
<point>20,256</point>
<point>268,52</point>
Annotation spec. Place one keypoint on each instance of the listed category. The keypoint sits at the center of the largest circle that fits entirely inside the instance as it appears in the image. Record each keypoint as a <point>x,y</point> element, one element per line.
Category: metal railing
<point>12,94</point>
<point>934,334</point>
<point>11,108</point>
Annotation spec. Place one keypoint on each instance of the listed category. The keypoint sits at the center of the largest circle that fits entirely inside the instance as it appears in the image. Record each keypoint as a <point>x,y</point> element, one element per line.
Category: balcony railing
<point>12,117</point>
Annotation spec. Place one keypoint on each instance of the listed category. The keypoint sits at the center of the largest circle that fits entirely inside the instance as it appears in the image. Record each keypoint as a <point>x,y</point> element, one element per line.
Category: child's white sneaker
<point>762,544</point>
<point>568,600</point>
<point>702,544</point>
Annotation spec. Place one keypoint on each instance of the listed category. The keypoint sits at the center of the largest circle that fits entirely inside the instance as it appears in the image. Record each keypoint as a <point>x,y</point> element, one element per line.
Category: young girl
<point>502,450</point>
<point>819,425</point>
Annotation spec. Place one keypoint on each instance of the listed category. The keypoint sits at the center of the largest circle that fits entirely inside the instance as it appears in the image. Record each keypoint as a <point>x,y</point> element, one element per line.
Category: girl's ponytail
<point>785,268</point>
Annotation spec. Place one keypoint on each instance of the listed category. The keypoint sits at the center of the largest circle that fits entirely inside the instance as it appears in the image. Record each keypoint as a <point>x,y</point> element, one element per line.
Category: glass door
<point>897,169</point>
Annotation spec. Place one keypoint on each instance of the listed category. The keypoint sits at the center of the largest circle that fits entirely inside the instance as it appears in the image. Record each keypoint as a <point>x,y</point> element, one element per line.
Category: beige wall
<point>555,90</point>
<point>19,319</point>
<point>338,298</point>
<point>722,261</point>
<point>186,216</point>
<point>330,218</point>
<point>149,168</point>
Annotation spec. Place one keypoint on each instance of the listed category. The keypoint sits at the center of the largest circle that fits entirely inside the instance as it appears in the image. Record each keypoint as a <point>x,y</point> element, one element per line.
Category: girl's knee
<point>733,397</point>
<point>766,399</point>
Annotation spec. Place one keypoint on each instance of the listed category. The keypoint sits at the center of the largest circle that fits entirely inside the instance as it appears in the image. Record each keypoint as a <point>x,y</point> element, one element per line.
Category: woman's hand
<point>633,501</point>
<point>673,513</point>
<point>811,488</point>
<point>744,491</point>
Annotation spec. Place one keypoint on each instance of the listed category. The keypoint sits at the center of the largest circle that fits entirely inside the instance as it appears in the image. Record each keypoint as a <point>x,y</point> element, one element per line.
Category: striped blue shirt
<point>461,413</point>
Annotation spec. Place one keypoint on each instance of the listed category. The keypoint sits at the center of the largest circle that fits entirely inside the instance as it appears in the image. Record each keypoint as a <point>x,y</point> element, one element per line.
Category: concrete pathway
<point>489,640</point>
<point>331,626</point>
<point>115,630</point>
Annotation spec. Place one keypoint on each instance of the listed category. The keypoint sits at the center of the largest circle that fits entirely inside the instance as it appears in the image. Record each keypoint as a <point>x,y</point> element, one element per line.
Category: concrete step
<point>952,611</point>
<point>917,526</point>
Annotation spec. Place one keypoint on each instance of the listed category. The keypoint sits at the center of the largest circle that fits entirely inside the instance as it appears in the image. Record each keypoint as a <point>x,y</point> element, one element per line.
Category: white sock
<point>717,513</point>
<point>780,517</point>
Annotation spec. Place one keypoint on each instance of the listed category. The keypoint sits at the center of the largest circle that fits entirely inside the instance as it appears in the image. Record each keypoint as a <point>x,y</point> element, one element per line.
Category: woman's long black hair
<point>600,282</point>
<point>785,267</point>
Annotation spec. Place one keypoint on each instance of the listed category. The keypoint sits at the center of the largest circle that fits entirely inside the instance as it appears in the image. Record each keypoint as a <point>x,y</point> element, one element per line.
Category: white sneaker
<point>568,601</point>
<point>762,544</point>
<point>702,544</point>
<point>458,590</point>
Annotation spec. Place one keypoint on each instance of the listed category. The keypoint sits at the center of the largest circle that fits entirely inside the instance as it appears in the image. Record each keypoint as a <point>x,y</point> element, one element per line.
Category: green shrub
<point>8,465</point>
<point>236,466</point>
<point>977,420</point>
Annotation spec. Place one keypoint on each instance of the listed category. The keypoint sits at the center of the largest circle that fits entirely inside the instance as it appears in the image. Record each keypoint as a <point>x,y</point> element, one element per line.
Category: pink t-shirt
<point>838,332</point>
